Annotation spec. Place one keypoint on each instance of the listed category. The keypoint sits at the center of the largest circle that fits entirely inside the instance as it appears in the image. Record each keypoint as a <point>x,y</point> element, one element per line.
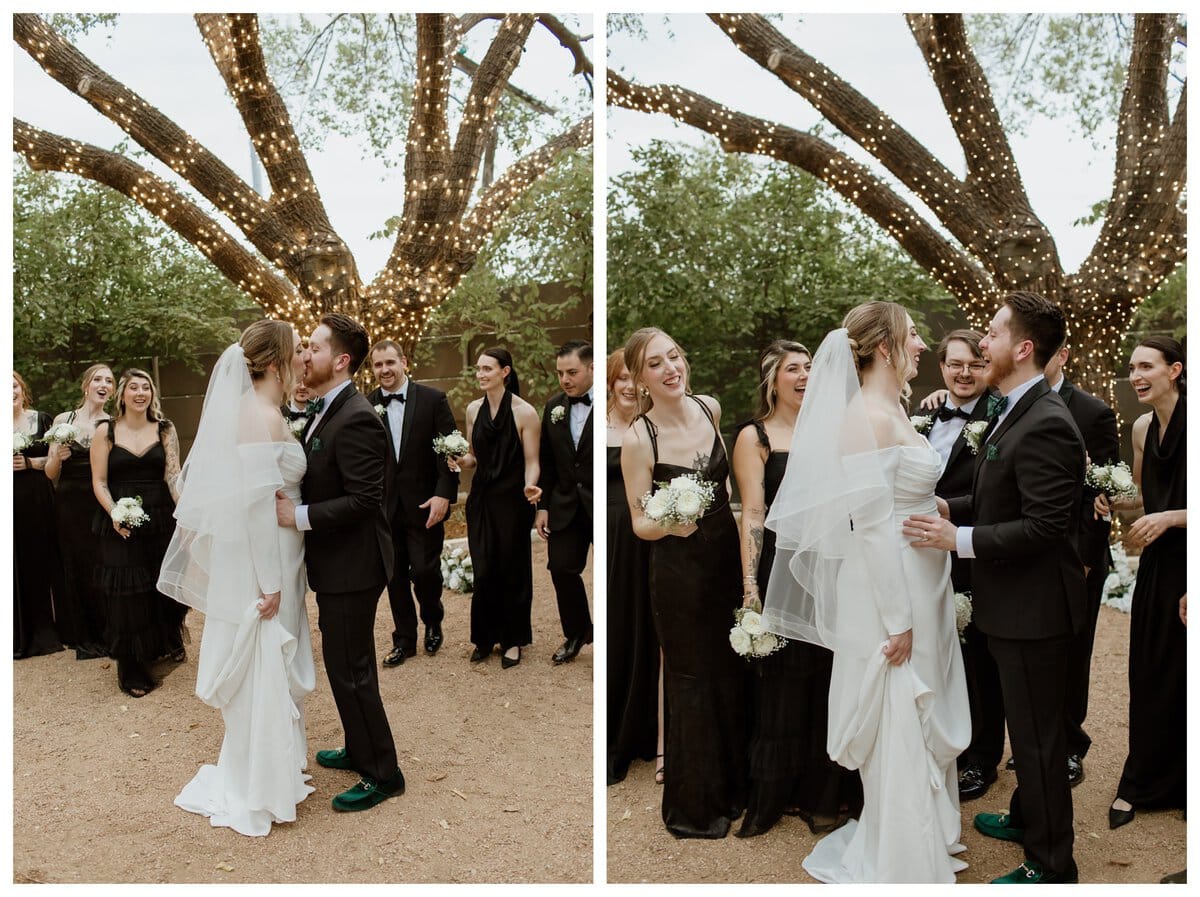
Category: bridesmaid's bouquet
<point>458,572</point>
<point>452,445</point>
<point>21,441</point>
<point>749,637</point>
<point>65,434</point>
<point>962,613</point>
<point>682,500</point>
<point>1114,480</point>
<point>127,512</point>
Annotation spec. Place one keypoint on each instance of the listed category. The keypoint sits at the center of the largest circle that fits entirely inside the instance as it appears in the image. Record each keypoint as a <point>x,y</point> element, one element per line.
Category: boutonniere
<point>297,426</point>
<point>557,413</point>
<point>381,410</point>
<point>973,434</point>
<point>921,422</point>
<point>993,451</point>
<point>315,445</point>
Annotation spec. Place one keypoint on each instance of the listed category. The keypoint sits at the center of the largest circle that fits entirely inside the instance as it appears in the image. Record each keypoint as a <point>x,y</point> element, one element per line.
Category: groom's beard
<point>999,367</point>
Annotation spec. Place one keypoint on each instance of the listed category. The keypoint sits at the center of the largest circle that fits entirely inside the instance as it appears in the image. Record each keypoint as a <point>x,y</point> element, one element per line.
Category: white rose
<point>1131,564</point>
<point>1121,478</point>
<point>1112,582</point>
<point>468,563</point>
<point>764,644</point>
<point>684,484</point>
<point>456,553</point>
<point>379,409</point>
<point>753,623</point>
<point>740,640</point>
<point>688,505</point>
<point>657,505</point>
<point>455,581</point>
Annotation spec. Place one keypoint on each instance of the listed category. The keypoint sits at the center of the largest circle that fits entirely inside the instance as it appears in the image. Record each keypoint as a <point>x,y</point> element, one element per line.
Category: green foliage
<point>726,253</point>
<point>75,25</point>
<point>1163,312</point>
<point>95,278</point>
<point>544,238</point>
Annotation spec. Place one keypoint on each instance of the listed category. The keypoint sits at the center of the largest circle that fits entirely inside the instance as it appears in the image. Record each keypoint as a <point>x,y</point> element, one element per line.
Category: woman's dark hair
<point>504,358</point>
<point>1171,351</point>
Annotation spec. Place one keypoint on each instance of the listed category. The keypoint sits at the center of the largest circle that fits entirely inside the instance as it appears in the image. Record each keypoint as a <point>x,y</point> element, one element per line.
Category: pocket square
<point>315,445</point>
<point>993,452</point>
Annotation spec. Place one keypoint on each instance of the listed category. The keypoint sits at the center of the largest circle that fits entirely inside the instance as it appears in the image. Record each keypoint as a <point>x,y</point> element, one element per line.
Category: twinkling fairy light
<point>997,243</point>
<point>439,234</point>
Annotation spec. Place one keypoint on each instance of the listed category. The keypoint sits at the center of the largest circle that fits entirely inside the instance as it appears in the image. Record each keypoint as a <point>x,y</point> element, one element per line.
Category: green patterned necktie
<point>996,405</point>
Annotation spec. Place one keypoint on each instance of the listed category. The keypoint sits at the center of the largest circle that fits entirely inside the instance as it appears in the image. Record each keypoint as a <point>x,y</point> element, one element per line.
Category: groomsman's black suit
<point>1098,426</point>
<point>416,474</point>
<point>566,483</point>
<point>1030,599</point>
<point>983,679</point>
<point>348,554</point>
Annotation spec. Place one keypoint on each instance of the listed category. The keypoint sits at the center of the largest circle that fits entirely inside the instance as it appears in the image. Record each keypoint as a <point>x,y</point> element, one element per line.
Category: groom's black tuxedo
<point>348,555</point>
<point>417,473</point>
<point>566,483</point>
<point>1029,598</point>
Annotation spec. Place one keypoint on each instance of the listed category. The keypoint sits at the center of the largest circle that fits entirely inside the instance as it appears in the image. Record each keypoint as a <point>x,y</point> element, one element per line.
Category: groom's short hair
<point>970,337</point>
<point>348,336</point>
<point>1038,320</point>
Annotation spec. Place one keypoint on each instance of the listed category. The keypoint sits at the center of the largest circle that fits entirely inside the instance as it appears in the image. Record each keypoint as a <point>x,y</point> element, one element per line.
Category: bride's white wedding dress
<point>258,672</point>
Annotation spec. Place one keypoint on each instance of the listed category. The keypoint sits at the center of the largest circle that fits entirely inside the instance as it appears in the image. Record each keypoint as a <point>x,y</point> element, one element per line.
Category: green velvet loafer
<point>335,759</point>
<point>369,793</point>
<point>999,825</point>
<point>1032,873</point>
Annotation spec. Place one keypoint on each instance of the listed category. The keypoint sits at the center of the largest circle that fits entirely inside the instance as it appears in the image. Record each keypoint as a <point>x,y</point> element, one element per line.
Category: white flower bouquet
<point>127,512</point>
<point>973,433</point>
<point>682,500</point>
<point>1118,585</point>
<point>21,441</point>
<point>962,613</point>
<point>64,434</point>
<point>921,422</point>
<point>1115,480</point>
<point>458,573</point>
<point>452,445</point>
<point>749,637</point>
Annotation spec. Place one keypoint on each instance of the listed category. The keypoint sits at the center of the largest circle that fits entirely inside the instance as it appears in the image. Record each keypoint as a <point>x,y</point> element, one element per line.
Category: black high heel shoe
<point>507,662</point>
<point>481,654</point>
<point>1118,818</point>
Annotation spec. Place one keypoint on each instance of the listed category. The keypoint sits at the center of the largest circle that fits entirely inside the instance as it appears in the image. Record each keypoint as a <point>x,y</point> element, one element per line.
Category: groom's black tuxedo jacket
<point>420,472</point>
<point>566,477</point>
<point>349,547</point>
<point>956,480</point>
<point>1027,578</point>
<point>1098,426</point>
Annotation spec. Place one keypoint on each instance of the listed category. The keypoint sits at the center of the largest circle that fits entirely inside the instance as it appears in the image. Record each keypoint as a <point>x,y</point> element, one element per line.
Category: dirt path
<point>640,849</point>
<point>498,766</point>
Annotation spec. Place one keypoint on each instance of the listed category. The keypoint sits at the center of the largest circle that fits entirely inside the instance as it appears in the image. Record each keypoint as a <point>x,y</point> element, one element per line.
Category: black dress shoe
<point>395,657</point>
<point>433,638</point>
<point>1074,769</point>
<point>974,782</point>
<point>1118,818</point>
<point>507,662</point>
<point>569,649</point>
<point>480,654</point>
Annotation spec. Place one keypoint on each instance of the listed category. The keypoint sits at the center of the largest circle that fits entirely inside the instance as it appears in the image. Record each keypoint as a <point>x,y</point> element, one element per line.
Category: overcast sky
<point>1063,174</point>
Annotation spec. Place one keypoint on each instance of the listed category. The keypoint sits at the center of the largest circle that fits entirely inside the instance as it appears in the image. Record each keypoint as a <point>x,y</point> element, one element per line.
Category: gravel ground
<point>641,850</point>
<point>498,766</point>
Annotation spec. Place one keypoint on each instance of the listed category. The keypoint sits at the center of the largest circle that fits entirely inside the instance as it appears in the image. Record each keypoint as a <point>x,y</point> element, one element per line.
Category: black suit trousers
<point>1079,670</point>
<point>567,553</point>
<point>986,702</point>
<point>347,624</point>
<point>418,561</point>
<point>1033,674</point>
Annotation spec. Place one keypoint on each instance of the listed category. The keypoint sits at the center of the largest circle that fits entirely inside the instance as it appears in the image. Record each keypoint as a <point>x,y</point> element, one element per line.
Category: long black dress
<point>1155,772</point>
<point>695,586</point>
<point>35,555</point>
<point>790,769</point>
<point>499,519</point>
<point>144,625</point>
<point>80,612</point>
<point>632,644</point>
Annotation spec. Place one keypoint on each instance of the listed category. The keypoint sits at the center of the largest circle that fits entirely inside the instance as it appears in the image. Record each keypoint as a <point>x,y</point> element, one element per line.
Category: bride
<point>846,578</point>
<point>230,560</point>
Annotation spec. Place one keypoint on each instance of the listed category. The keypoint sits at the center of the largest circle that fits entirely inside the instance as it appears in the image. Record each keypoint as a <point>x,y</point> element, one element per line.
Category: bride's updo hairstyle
<point>768,369</point>
<point>635,361</point>
<point>875,324</point>
<point>269,342</point>
<point>503,358</point>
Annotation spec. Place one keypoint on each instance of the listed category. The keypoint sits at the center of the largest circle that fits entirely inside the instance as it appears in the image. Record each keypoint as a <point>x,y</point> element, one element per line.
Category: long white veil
<point>834,481</point>
<point>232,467</point>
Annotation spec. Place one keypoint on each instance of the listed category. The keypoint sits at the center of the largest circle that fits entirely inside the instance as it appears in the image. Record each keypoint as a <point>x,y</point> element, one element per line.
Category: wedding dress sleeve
<point>878,548</point>
<point>262,528</point>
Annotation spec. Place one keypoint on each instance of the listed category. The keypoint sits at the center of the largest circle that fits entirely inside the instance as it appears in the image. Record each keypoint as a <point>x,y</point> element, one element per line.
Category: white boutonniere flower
<point>973,432</point>
<point>381,410</point>
<point>557,413</point>
<point>921,422</point>
<point>297,426</point>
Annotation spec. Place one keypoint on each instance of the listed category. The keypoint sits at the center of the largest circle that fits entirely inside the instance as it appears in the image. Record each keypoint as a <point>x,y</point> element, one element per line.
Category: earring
<point>645,391</point>
<point>887,359</point>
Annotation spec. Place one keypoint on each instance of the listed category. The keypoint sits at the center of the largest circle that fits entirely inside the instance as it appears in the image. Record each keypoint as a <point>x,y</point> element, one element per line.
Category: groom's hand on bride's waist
<point>925,531</point>
<point>285,511</point>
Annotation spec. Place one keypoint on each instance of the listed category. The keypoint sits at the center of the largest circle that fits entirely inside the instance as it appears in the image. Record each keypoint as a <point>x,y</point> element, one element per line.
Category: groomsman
<point>1098,426</point>
<point>962,368</point>
<point>1019,524</point>
<point>420,490</point>
<point>564,517</point>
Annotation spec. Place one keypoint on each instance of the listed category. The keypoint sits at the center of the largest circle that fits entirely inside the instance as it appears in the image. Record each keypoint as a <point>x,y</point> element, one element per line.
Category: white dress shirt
<point>943,433</point>
<point>395,416</point>
<point>578,418</point>
<point>302,523</point>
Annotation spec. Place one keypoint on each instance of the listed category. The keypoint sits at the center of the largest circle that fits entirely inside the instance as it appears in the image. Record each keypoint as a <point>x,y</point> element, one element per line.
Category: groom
<point>348,552</point>
<point>1018,525</point>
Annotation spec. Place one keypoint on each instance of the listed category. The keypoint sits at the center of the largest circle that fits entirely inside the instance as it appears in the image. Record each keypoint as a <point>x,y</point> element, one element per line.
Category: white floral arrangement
<point>64,434</point>
<point>297,426</point>
<point>962,613</point>
<point>749,637</point>
<point>557,413</point>
<point>127,512</point>
<point>21,441</point>
<point>921,422</point>
<point>973,433</point>
<point>381,410</point>
<point>682,500</point>
<point>458,573</point>
<point>452,445</point>
<point>1118,585</point>
<point>1115,480</point>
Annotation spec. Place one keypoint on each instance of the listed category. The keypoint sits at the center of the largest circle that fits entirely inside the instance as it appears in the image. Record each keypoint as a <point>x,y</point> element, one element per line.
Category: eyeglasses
<point>957,367</point>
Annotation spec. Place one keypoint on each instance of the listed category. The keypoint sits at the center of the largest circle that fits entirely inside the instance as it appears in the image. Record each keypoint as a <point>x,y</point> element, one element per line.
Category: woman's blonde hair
<point>154,412</point>
<point>635,360</point>
<point>87,378</point>
<point>266,342</point>
<point>875,324</point>
<point>768,369</point>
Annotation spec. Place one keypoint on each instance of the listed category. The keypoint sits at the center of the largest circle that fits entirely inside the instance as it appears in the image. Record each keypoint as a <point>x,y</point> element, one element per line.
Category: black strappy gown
<point>695,586</point>
<point>36,565</point>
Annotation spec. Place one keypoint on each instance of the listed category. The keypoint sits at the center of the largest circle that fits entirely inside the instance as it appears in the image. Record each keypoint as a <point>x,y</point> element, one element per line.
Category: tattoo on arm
<point>701,462</point>
<point>756,542</point>
<point>171,474</point>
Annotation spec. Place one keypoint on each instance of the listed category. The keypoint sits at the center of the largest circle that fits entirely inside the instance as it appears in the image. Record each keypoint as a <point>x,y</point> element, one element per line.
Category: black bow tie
<point>386,399</point>
<point>576,400</point>
<point>946,413</point>
<point>297,415</point>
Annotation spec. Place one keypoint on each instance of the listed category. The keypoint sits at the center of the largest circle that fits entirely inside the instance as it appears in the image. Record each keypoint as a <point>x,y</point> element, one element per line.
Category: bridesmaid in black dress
<point>1155,774</point>
<point>504,432</point>
<point>634,691</point>
<point>79,608</point>
<point>35,546</point>
<point>136,454</point>
<point>789,765</point>
<point>694,590</point>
